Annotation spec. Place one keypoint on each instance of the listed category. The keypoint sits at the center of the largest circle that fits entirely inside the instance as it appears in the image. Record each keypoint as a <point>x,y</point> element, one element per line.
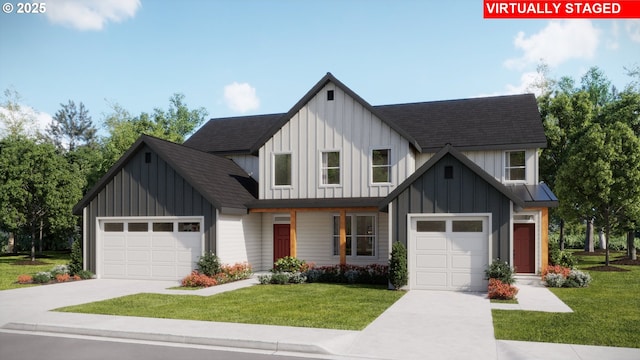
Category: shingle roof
<point>500,122</point>
<point>488,123</point>
<point>219,180</point>
<point>233,135</point>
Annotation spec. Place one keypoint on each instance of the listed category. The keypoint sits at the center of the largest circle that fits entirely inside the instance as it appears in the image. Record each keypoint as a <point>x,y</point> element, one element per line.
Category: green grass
<point>9,270</point>
<point>332,306</point>
<point>499,301</point>
<point>606,313</point>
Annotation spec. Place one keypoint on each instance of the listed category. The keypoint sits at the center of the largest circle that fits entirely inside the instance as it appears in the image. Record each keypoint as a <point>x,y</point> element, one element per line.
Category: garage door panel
<point>425,242</point>
<point>450,260</point>
<point>137,254</point>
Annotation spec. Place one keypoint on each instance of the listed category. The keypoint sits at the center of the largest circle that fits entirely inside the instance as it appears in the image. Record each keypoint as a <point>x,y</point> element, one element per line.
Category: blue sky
<point>253,57</point>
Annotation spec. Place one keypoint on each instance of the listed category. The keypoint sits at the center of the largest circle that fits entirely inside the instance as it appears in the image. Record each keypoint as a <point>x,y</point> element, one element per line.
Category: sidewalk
<point>422,324</point>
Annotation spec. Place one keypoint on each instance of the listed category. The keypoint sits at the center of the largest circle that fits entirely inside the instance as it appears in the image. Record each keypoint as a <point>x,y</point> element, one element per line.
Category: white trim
<point>537,216</point>
<point>391,165</point>
<point>280,221</point>
<point>376,238</point>
<point>273,170</point>
<point>504,167</point>
<point>321,184</point>
<point>217,241</point>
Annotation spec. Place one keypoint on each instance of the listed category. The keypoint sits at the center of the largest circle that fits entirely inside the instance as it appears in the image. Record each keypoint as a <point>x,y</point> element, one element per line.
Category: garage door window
<point>163,226</point>
<point>189,227</point>
<point>431,226</point>
<point>138,227</point>
<point>113,227</point>
<point>466,226</point>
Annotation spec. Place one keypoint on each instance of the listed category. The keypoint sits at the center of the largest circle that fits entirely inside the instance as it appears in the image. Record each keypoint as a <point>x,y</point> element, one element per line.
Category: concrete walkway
<point>422,324</point>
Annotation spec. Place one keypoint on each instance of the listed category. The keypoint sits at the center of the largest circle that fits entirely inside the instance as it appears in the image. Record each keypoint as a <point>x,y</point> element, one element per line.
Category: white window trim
<point>321,164</point>
<point>354,255</point>
<point>504,167</point>
<point>273,170</point>
<point>391,163</point>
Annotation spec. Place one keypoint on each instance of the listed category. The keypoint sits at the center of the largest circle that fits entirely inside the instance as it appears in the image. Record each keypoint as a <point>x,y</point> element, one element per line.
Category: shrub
<point>282,278</point>
<point>554,279</point>
<point>578,278</point>
<point>209,264</point>
<point>562,257</point>
<point>500,270</point>
<point>556,269</point>
<point>369,274</point>
<point>75,262</point>
<point>500,290</point>
<point>196,279</point>
<point>290,264</point>
<point>25,279</point>
<point>59,270</point>
<point>63,277</point>
<point>42,277</point>
<point>398,274</point>
<point>235,272</point>
<point>84,274</point>
<point>279,278</point>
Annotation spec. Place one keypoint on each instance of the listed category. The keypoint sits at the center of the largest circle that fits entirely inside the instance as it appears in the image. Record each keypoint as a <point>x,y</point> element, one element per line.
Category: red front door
<point>524,248</point>
<point>281,241</point>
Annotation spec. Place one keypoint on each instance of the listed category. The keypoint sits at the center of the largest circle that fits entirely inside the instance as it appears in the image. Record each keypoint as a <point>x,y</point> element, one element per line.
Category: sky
<point>244,57</point>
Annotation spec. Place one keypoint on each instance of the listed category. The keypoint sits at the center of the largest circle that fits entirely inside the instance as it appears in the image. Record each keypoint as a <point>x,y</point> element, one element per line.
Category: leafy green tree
<point>398,272</point>
<point>16,119</point>
<point>601,178</point>
<point>124,129</point>
<point>72,126</point>
<point>38,188</point>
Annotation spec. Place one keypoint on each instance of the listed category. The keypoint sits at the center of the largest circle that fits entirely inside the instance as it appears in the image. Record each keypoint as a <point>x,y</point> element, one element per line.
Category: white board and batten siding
<point>342,125</point>
<point>240,239</point>
<point>248,163</point>
<point>493,162</point>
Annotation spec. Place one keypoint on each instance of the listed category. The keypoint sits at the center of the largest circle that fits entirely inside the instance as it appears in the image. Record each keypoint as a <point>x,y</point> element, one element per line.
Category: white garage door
<point>141,248</point>
<point>448,253</point>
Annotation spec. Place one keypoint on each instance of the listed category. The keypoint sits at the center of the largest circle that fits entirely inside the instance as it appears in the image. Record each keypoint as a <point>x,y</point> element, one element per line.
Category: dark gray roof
<point>219,180</point>
<point>535,195</point>
<point>233,135</point>
<point>315,203</point>
<point>500,122</point>
<point>488,123</point>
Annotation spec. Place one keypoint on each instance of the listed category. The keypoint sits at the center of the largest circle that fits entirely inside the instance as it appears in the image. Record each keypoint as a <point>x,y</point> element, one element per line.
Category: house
<point>333,181</point>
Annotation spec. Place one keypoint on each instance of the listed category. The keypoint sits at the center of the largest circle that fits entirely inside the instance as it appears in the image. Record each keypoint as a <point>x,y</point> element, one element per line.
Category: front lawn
<point>13,265</point>
<point>332,306</point>
<point>606,313</point>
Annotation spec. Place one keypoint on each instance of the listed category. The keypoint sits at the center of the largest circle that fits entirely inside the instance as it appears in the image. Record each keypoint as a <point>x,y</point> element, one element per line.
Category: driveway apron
<point>431,325</point>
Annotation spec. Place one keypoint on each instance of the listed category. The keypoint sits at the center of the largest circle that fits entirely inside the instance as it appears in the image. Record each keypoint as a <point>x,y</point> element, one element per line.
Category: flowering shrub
<point>59,270</point>
<point>500,290</point>
<point>42,277</point>
<point>196,279</point>
<point>559,276</point>
<point>500,270</point>
<point>281,278</point>
<point>63,277</point>
<point>25,279</point>
<point>227,273</point>
<point>290,264</point>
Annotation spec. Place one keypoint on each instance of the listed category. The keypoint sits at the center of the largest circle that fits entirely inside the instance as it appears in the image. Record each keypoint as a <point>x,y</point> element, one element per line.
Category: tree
<point>601,178</point>
<point>38,188</point>
<point>71,127</point>
<point>398,273</point>
<point>16,119</point>
<point>173,125</point>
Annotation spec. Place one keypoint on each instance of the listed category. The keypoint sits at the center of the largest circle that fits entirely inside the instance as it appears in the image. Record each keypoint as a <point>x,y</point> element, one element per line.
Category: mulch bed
<point>625,261</point>
<point>606,268</point>
<point>29,262</point>
<point>594,253</point>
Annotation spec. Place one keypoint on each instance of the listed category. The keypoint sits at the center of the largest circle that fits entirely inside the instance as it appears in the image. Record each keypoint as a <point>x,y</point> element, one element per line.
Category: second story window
<point>515,166</point>
<point>330,168</point>
<point>381,166</point>
<point>282,169</point>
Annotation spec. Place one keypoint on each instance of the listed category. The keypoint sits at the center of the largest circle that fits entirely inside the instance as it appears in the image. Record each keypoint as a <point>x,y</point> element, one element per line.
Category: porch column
<point>343,237</point>
<point>544,238</point>
<point>292,234</point>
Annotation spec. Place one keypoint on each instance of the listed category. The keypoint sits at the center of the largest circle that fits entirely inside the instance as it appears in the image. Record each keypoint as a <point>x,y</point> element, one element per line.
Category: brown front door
<point>281,241</point>
<point>524,248</point>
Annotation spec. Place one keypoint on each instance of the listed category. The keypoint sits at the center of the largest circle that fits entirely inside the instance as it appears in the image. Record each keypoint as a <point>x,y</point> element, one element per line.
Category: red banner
<point>520,9</point>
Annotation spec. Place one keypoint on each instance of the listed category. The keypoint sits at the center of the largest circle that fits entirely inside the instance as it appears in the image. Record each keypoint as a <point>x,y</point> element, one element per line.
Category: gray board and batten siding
<point>147,189</point>
<point>466,191</point>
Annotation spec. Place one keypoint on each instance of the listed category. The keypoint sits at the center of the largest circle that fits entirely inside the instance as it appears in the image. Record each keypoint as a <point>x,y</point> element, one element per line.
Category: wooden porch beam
<point>293,246</point>
<point>343,237</point>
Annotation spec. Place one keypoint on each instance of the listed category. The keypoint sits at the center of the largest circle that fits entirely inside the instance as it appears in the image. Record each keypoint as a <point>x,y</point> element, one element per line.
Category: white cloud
<point>241,97</point>
<point>35,122</point>
<point>557,43</point>
<point>612,42</point>
<point>529,83</point>
<point>633,30</point>
<point>90,14</point>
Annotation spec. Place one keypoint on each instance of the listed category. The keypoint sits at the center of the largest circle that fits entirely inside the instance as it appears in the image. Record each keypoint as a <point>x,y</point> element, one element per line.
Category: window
<point>138,227</point>
<point>113,227</point>
<point>329,95</point>
<point>163,226</point>
<point>466,226</point>
<point>514,169</point>
<point>282,169</point>
<point>381,165</point>
<point>431,226</point>
<point>362,242</point>
<point>330,168</point>
<point>189,227</point>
